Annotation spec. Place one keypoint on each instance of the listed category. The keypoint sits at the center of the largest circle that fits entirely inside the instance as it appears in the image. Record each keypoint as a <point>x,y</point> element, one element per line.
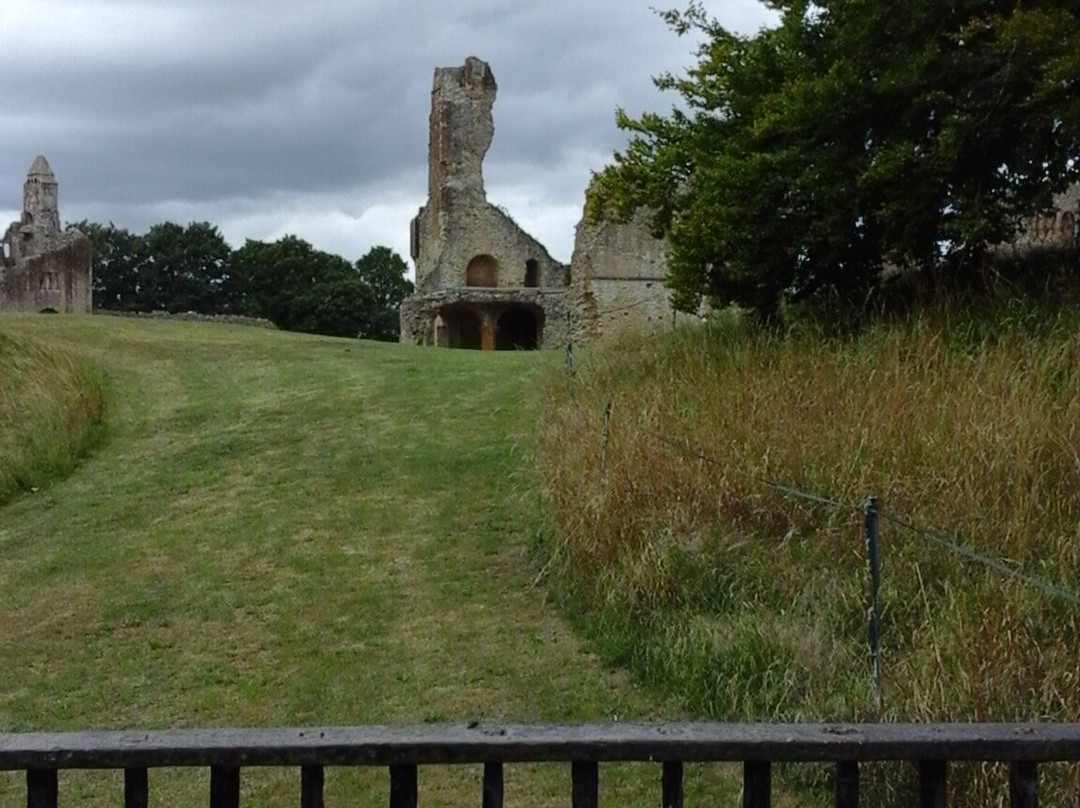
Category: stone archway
<point>461,327</point>
<point>483,270</point>
<point>518,328</point>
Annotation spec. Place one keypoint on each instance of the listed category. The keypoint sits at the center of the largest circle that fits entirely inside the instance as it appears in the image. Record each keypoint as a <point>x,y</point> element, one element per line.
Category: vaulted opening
<point>483,270</point>
<point>518,328</point>
<point>532,273</point>
<point>462,327</point>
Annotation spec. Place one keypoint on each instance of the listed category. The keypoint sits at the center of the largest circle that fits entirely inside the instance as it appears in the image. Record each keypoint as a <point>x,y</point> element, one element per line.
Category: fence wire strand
<point>1046,587</point>
<point>683,448</point>
<point>689,451</point>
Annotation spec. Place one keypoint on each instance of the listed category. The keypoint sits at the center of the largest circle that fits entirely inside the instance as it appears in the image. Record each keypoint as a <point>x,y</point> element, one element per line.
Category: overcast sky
<point>268,117</point>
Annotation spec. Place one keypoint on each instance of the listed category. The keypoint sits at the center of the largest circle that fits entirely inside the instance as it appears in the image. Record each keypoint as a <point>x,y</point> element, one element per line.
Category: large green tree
<point>304,289</point>
<point>118,257</point>
<point>383,272</point>
<point>852,135</point>
<point>170,268</point>
<point>188,269</point>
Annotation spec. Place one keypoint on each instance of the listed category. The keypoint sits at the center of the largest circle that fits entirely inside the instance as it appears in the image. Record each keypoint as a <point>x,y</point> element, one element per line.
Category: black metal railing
<point>584,746</point>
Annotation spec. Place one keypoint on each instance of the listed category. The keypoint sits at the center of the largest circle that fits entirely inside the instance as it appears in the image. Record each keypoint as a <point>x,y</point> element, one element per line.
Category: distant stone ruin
<point>482,281</point>
<point>1052,230</point>
<point>44,268</point>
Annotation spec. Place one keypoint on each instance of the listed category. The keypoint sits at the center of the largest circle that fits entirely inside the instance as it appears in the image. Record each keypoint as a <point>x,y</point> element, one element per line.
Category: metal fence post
<point>569,346</point>
<point>873,613</point>
<point>604,435</point>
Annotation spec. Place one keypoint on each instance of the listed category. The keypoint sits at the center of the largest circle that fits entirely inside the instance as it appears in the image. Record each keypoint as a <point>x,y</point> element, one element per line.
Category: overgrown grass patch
<point>747,603</point>
<point>52,412</point>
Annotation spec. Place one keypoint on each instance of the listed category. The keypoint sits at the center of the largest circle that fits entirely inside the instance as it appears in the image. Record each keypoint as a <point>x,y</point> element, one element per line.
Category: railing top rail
<point>435,744</point>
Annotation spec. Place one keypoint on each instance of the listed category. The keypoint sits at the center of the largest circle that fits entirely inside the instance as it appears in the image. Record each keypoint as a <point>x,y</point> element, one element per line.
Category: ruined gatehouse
<point>482,281</point>
<point>44,268</point>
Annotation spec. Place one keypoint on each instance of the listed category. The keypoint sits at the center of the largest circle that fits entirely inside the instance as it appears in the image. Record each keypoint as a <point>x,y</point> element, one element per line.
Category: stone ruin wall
<point>617,279</point>
<point>57,279</point>
<point>466,248</point>
<point>474,264</point>
<point>420,313</point>
<point>458,224</point>
<point>1055,229</point>
<point>481,229</point>
<point>41,266</point>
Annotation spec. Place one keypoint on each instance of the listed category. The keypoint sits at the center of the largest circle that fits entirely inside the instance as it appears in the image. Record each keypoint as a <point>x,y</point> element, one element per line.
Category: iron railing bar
<point>585,784</point>
<point>312,779</point>
<point>846,784</point>
<point>757,784</point>
<point>493,785</point>
<point>932,790</point>
<point>224,787</point>
<point>1023,785</point>
<point>403,788</point>
<point>136,787</point>
<point>426,744</point>
<point>42,788</point>
<point>672,784</point>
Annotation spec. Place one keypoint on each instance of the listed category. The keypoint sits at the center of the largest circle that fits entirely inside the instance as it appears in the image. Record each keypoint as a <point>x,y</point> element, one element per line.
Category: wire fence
<point>873,516</point>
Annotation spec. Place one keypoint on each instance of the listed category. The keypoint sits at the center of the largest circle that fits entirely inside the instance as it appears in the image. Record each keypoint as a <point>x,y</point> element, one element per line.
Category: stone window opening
<point>1068,224</point>
<point>483,270</point>
<point>532,274</point>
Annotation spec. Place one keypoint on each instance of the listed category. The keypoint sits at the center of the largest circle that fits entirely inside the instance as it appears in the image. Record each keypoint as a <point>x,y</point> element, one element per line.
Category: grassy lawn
<point>286,530</point>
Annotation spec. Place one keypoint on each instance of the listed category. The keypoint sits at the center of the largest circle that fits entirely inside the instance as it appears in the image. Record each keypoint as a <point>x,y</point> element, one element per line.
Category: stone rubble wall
<point>617,279</point>
<point>1055,229</point>
<point>479,228</point>
<point>57,278</point>
<point>194,316</point>
<point>419,312</point>
<point>469,254</point>
<point>41,266</point>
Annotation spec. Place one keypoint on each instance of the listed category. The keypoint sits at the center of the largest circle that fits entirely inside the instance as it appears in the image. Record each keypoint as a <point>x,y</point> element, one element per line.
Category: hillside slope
<point>290,530</point>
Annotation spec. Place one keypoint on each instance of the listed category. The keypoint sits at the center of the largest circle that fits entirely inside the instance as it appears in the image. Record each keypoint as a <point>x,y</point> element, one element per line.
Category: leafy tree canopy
<point>853,135</point>
<point>383,272</point>
<point>299,288</point>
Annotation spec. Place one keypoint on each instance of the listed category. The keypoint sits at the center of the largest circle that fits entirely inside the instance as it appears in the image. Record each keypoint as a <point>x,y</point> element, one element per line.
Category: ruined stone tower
<point>40,208</point>
<point>43,267</point>
<point>481,281</point>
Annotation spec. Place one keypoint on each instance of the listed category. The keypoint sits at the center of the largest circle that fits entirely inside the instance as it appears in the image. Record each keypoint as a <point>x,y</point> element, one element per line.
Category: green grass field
<point>292,530</point>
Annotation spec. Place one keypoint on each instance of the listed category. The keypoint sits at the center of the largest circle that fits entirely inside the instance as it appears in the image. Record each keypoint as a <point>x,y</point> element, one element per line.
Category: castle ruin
<point>42,267</point>
<point>482,281</point>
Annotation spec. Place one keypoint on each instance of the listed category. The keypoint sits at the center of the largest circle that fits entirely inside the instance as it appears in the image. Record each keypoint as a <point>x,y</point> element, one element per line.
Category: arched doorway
<point>462,327</point>
<point>517,328</point>
<point>483,270</point>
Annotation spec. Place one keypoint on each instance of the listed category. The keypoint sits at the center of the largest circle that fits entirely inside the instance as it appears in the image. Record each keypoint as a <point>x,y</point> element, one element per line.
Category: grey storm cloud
<point>226,104</point>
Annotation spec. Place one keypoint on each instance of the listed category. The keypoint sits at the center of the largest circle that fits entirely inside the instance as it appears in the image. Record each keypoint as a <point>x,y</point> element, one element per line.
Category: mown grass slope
<point>287,530</point>
<point>745,602</point>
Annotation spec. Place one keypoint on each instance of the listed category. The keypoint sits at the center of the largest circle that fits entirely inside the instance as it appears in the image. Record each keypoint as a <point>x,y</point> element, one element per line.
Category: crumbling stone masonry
<point>481,281</point>
<point>43,267</point>
<point>1051,230</point>
<point>617,285</point>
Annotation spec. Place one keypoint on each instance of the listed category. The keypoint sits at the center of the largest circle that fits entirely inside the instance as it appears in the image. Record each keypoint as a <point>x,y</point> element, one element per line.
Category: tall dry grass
<point>52,408</point>
<point>749,603</point>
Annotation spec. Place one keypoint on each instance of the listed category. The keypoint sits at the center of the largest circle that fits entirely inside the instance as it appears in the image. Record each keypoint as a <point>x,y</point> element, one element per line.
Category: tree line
<point>851,138</point>
<point>289,282</point>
